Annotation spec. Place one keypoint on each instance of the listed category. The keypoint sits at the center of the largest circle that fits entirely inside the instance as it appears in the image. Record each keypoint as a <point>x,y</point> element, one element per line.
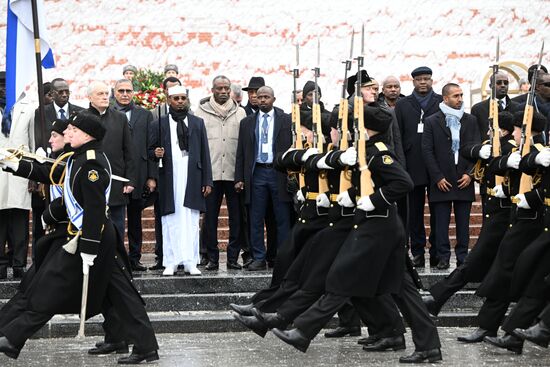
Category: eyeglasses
<point>179,98</point>
<point>502,82</point>
<point>125,91</point>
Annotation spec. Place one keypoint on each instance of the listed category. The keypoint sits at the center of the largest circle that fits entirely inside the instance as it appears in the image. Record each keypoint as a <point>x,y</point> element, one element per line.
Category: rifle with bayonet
<point>318,138</point>
<point>296,126</point>
<point>526,182</point>
<point>360,132</point>
<point>493,114</point>
<point>345,175</point>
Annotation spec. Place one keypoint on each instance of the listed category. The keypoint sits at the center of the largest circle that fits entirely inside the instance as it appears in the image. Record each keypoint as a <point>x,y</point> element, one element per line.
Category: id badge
<point>420,128</point>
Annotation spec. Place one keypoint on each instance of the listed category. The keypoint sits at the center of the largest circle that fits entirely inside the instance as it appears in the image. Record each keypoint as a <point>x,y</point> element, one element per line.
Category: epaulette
<point>90,154</point>
<point>513,142</point>
<point>539,146</point>
<point>381,146</point>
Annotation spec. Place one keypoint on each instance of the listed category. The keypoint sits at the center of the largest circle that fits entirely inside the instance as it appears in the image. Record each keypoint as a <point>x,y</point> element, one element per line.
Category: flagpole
<point>38,56</point>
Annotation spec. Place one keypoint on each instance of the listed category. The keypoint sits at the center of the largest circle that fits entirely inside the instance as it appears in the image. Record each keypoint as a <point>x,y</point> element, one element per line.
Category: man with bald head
<point>391,92</point>
<point>481,110</point>
<point>117,145</point>
<point>262,135</point>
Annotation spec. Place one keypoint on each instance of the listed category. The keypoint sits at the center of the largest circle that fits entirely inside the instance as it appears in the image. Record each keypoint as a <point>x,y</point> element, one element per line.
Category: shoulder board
<point>90,154</point>
<point>539,146</point>
<point>513,142</point>
<point>381,146</point>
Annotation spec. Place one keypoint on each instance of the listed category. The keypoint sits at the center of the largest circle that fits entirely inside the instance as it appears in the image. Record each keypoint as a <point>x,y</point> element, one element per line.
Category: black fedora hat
<point>256,82</point>
<point>350,84</point>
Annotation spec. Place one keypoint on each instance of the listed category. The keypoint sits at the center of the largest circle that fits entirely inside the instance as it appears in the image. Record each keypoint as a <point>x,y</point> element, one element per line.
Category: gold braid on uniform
<point>537,178</point>
<point>57,162</point>
<point>479,170</point>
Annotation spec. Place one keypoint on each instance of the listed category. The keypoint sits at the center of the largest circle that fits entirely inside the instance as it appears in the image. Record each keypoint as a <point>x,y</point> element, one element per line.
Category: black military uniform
<point>110,285</point>
<point>495,224</point>
<point>525,226</point>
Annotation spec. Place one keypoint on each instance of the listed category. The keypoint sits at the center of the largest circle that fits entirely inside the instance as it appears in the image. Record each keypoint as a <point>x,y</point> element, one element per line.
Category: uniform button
<point>510,226</point>
<point>331,224</point>
<point>116,257</point>
<point>303,220</point>
<point>355,226</point>
<point>330,186</point>
<point>123,268</point>
<point>486,215</point>
<point>546,229</point>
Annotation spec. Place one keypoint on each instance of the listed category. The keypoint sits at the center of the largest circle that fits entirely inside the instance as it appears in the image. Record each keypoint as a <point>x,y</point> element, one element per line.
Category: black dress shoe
<point>136,358</point>
<point>371,339</point>
<point>108,348</point>
<point>432,355</point>
<point>137,266</point>
<point>244,310</point>
<point>212,266</point>
<point>433,262</point>
<point>293,337</point>
<point>18,272</point>
<point>247,263</point>
<point>477,336</point>
<point>204,261</point>
<point>538,334</point>
<point>508,341</point>
<point>157,266</point>
<point>419,261</point>
<point>233,265</point>
<point>393,343</point>
<point>8,348</point>
<point>252,323</point>
<point>3,272</point>
<point>431,304</point>
<point>270,320</point>
<point>443,265</point>
<point>257,265</point>
<point>342,331</point>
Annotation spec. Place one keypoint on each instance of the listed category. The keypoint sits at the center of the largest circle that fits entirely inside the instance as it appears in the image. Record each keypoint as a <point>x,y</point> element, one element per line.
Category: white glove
<point>300,196</point>
<point>349,157</point>
<point>344,200</point>
<point>14,166</point>
<point>485,151</point>
<point>322,163</point>
<point>288,151</point>
<point>522,202</point>
<point>543,158</point>
<point>87,262</point>
<point>309,153</point>
<point>513,160</point>
<point>365,204</point>
<point>499,192</point>
<point>41,152</point>
<point>322,201</point>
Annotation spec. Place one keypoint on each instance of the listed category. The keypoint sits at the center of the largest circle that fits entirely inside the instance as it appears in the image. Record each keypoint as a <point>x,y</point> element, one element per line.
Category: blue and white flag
<point>20,51</point>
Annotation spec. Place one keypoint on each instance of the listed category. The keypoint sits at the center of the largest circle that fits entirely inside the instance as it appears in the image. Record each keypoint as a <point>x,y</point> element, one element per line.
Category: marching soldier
<point>86,191</point>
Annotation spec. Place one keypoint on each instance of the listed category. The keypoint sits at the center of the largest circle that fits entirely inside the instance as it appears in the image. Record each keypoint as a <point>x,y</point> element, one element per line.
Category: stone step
<point>62,326</point>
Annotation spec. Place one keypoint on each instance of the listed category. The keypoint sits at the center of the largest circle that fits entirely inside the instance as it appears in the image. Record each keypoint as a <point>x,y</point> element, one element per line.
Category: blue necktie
<point>62,114</point>
<point>265,129</point>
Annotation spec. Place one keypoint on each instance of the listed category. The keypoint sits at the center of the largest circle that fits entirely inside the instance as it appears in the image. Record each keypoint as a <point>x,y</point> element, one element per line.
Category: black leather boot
<point>538,334</point>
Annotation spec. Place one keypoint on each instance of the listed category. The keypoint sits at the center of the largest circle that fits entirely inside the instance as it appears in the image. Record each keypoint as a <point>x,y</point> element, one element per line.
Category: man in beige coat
<point>15,198</point>
<point>222,116</point>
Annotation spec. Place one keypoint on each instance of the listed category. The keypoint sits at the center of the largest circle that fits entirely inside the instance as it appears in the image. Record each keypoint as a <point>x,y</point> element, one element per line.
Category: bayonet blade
<point>351,47</point>
<point>297,55</point>
<point>362,39</point>
<point>540,55</point>
<point>498,49</point>
<point>318,51</point>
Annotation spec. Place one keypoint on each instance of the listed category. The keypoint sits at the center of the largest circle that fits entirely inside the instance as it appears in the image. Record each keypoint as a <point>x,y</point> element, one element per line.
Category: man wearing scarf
<point>446,133</point>
<point>139,120</point>
<point>410,113</point>
<point>222,116</point>
<point>185,180</point>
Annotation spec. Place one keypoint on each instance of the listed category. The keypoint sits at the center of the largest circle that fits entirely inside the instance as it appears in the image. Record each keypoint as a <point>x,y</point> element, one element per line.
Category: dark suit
<point>117,145</point>
<point>408,113</point>
<point>440,162</point>
<point>199,172</point>
<point>481,112</point>
<point>146,168</point>
<point>263,184</point>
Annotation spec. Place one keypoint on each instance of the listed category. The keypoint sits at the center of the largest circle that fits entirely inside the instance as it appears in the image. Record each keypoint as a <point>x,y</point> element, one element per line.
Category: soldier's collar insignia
<point>386,159</point>
<point>93,176</point>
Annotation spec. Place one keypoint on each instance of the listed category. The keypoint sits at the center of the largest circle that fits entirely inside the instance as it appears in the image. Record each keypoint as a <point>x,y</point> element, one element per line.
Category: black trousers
<point>38,205</point>
<point>119,295</point>
<point>14,231</point>
<point>348,317</point>
<point>416,228</point>
<point>523,314</point>
<point>317,316</point>
<point>442,212</point>
<point>158,232</point>
<point>491,314</point>
<point>545,315</point>
<point>271,234</point>
<point>135,233</point>
<point>444,289</point>
<point>210,221</point>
